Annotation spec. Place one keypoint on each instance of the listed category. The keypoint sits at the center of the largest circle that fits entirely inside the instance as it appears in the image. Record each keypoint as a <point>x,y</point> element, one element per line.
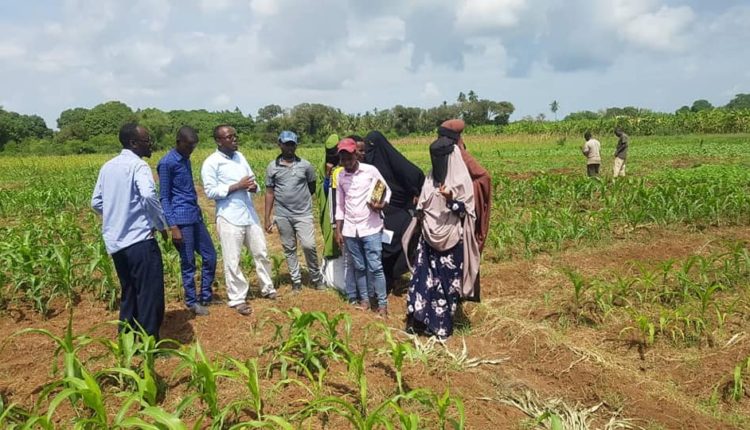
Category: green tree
<point>700,105</point>
<point>159,124</point>
<point>70,117</point>
<point>269,112</point>
<point>582,115</point>
<point>500,112</point>
<point>630,111</point>
<point>740,101</point>
<point>483,111</point>
<point>554,106</point>
<point>15,127</point>
<point>107,118</point>
<point>315,120</point>
<point>435,116</point>
<point>405,119</point>
<point>71,125</point>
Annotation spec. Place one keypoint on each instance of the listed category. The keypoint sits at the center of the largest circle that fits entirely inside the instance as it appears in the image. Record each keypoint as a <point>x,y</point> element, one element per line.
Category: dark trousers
<point>195,238</point>
<point>141,274</point>
<point>592,169</point>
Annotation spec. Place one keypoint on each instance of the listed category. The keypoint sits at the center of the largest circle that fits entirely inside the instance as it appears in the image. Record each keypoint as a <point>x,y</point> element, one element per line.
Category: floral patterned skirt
<point>434,289</point>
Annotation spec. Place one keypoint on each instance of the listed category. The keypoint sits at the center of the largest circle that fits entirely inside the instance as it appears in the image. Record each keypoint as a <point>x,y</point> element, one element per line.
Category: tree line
<point>82,130</point>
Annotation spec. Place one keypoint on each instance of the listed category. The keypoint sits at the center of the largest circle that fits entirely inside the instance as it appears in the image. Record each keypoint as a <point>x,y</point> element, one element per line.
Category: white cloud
<point>10,51</point>
<point>475,15</point>
<point>86,18</point>
<point>663,30</point>
<point>376,33</point>
<point>155,13</point>
<point>430,91</point>
<point>627,10</point>
<point>216,5</point>
<point>58,60</point>
<point>264,7</point>
<point>54,29</point>
<point>359,54</point>
<point>221,101</point>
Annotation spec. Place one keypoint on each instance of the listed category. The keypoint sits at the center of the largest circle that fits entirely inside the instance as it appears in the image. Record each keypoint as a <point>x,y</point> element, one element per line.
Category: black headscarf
<point>332,156</point>
<point>439,154</point>
<point>450,134</point>
<point>404,178</point>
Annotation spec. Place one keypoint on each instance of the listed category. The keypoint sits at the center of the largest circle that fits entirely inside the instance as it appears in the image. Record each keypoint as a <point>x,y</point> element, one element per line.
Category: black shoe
<point>198,310</point>
<point>296,288</point>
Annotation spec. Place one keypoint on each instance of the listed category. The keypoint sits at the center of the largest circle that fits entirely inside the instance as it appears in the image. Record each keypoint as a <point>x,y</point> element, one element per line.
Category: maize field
<point>606,303</point>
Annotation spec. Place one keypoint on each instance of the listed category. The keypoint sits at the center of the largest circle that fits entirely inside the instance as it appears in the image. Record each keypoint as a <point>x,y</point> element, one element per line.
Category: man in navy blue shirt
<point>189,233</point>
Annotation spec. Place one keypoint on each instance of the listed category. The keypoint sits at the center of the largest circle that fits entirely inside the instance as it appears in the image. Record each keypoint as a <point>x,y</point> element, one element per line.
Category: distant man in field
<point>125,196</point>
<point>290,184</point>
<point>229,180</point>
<point>189,232</point>
<point>591,149</point>
<point>621,152</point>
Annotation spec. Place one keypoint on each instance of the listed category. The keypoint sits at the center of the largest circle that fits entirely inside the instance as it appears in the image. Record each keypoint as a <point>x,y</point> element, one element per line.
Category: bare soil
<point>658,387</point>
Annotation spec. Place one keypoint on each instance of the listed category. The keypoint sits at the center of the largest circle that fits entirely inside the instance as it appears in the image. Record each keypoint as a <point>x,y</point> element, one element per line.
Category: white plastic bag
<point>334,273</point>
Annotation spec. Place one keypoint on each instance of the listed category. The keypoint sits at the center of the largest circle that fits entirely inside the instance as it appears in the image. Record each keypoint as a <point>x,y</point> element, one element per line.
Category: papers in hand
<point>387,236</point>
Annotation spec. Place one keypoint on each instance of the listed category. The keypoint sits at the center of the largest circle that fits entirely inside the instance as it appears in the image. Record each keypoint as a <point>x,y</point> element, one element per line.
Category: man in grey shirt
<point>621,152</point>
<point>290,184</point>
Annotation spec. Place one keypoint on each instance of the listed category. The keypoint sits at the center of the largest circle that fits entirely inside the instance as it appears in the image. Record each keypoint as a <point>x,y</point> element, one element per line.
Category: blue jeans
<point>195,238</point>
<point>350,281</point>
<point>367,259</point>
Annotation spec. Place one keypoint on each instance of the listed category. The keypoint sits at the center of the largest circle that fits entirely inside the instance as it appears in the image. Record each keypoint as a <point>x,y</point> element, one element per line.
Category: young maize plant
<point>204,375</point>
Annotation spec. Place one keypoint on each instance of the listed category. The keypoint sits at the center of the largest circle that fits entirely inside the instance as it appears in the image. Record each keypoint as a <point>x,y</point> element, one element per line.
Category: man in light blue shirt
<point>229,180</point>
<point>125,196</point>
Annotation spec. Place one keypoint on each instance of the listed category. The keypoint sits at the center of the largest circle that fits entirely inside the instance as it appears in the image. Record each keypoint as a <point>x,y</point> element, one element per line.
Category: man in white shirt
<point>229,180</point>
<point>592,150</point>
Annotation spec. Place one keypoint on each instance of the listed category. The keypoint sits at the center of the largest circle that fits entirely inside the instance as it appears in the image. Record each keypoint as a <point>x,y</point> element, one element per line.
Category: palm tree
<point>554,106</point>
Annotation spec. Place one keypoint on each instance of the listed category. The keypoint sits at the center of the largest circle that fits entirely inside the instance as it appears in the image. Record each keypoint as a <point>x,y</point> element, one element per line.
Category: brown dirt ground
<point>661,387</point>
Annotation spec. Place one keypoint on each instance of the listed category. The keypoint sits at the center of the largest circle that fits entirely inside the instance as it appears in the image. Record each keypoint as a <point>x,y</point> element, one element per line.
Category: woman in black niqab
<point>405,180</point>
<point>440,152</point>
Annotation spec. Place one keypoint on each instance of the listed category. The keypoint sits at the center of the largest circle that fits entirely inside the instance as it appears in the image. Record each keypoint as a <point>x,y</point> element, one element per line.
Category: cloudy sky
<point>361,54</point>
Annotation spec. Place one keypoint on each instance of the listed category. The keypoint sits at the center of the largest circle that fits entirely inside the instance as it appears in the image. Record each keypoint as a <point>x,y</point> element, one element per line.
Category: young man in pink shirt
<point>359,225</point>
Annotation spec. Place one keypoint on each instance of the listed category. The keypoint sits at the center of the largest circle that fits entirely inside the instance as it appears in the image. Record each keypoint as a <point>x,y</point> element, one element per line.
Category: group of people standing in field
<point>380,217</point>
<point>592,151</point>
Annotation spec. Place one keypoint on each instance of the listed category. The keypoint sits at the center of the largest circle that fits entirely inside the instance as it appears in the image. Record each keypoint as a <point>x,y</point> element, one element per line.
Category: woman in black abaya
<point>405,181</point>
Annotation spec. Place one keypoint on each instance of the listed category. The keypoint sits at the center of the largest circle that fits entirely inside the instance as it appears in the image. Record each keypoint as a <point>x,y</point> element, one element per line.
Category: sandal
<point>243,309</point>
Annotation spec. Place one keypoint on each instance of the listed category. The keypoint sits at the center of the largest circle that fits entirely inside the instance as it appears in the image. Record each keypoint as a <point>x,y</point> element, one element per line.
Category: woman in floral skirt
<point>447,257</point>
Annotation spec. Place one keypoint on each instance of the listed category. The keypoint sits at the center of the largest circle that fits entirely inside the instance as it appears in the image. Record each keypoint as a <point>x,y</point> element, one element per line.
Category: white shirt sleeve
<point>97,203</point>
<point>213,188</point>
